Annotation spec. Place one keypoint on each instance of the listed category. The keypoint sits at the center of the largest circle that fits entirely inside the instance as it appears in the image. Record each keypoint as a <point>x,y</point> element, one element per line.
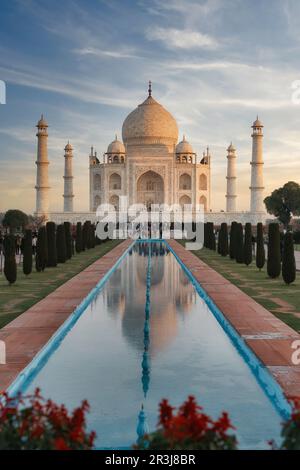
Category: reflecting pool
<point>135,346</point>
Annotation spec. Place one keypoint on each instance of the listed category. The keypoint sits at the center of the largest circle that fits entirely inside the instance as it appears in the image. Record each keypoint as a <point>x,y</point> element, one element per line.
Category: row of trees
<point>55,244</point>
<point>239,246</point>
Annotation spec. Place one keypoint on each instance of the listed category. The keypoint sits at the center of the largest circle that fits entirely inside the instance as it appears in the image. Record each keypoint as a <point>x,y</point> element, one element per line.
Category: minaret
<point>68,179</point>
<point>42,162</point>
<point>257,182</point>
<point>231,179</point>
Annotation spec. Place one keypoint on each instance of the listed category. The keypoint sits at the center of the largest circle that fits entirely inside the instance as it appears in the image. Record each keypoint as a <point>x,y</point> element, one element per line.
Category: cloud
<point>92,51</point>
<point>181,39</point>
<point>89,91</point>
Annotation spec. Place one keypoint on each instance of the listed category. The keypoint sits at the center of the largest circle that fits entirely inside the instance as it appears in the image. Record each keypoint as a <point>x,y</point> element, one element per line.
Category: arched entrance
<point>150,189</point>
<point>114,200</point>
<point>184,200</point>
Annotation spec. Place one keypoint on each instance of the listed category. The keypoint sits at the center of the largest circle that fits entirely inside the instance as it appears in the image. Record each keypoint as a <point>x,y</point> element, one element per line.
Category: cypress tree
<point>41,250</point>
<point>27,252</point>
<point>248,244</point>
<point>93,236</point>
<point>208,232</point>
<point>239,239</point>
<point>288,259</point>
<point>260,247</point>
<point>61,243</point>
<point>84,236</point>
<point>73,235</point>
<point>232,244</point>
<point>274,256</point>
<point>224,239</point>
<point>219,241</point>
<point>78,244</point>
<point>68,236</point>
<point>87,234</point>
<point>211,236</point>
<point>89,242</point>
<point>10,265</point>
<point>51,242</point>
<point>205,243</point>
<point>90,236</point>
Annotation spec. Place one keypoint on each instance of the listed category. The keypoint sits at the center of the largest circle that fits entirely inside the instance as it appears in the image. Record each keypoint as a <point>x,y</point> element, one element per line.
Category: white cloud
<point>92,51</point>
<point>181,39</point>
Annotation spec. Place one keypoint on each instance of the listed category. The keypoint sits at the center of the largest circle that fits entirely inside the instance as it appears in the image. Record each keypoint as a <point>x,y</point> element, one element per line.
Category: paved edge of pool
<point>30,333</point>
<point>268,337</point>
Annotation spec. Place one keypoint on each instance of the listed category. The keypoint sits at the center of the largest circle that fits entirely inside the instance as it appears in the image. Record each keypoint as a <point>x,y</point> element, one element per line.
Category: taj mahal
<point>150,166</point>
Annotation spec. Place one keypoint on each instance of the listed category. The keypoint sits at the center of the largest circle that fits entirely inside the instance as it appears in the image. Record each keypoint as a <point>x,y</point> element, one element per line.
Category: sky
<point>85,64</point>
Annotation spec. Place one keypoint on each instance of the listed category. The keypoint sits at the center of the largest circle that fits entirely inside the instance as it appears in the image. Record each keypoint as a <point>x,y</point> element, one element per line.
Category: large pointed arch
<point>150,188</point>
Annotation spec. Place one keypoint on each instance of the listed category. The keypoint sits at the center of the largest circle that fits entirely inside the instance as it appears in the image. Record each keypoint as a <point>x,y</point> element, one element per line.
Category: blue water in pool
<point>103,359</point>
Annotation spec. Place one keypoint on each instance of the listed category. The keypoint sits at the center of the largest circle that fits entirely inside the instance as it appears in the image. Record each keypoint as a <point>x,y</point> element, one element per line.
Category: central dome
<point>150,123</point>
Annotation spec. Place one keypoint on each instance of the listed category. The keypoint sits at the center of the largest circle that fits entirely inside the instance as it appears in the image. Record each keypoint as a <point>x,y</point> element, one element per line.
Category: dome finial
<point>116,136</point>
<point>150,88</point>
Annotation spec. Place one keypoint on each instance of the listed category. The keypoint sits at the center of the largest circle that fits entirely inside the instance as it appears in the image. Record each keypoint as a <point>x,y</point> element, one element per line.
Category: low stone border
<point>31,330</point>
<point>269,338</point>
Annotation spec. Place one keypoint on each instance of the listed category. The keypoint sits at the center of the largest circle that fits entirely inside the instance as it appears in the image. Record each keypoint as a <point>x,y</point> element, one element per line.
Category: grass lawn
<point>28,290</point>
<point>280,299</point>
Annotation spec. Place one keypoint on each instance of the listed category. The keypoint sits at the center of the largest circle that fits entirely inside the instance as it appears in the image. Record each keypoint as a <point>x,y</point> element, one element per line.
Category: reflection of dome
<point>150,123</point>
<point>184,147</point>
<point>116,147</point>
<point>158,265</point>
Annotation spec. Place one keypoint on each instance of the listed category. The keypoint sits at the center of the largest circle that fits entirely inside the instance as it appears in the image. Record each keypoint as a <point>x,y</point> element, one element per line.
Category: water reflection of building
<point>172,295</point>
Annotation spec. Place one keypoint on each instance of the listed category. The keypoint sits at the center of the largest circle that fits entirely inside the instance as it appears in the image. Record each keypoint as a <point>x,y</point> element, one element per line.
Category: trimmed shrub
<point>89,235</point>
<point>232,243</point>
<point>239,244</point>
<point>223,239</point>
<point>211,239</point>
<point>288,259</point>
<point>68,236</point>
<point>260,247</point>
<point>78,243</point>
<point>219,242</point>
<point>10,265</point>
<point>61,243</point>
<point>205,242</point>
<point>73,239</point>
<point>93,236</point>
<point>248,244</point>
<point>84,236</point>
<point>51,242</point>
<point>274,256</point>
<point>296,235</point>
<point>27,252</point>
<point>41,250</point>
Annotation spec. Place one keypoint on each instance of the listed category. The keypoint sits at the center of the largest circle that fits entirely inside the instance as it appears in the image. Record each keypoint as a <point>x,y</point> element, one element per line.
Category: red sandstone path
<point>268,337</point>
<point>31,330</point>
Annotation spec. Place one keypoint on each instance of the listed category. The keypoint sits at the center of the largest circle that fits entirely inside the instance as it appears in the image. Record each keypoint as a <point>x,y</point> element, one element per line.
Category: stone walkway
<point>28,333</point>
<point>269,338</point>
